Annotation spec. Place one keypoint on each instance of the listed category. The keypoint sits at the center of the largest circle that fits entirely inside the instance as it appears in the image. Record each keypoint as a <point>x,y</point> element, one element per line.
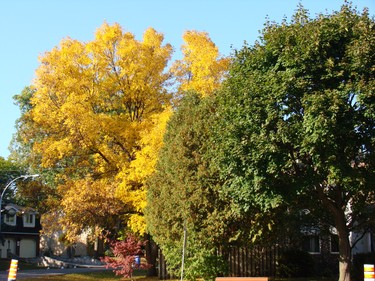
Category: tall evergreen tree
<point>184,193</point>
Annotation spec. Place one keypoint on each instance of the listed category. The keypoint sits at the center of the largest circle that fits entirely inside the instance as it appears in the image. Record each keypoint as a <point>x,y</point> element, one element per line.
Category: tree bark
<point>345,251</point>
<point>151,256</point>
<point>335,203</point>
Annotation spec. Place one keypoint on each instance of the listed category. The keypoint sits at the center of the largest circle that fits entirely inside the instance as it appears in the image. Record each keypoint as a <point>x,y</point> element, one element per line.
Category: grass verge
<point>110,276</point>
<point>94,276</point>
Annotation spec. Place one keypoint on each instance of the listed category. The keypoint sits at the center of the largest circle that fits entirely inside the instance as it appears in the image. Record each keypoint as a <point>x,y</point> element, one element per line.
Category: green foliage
<point>297,120</point>
<point>294,106</point>
<point>39,193</point>
<point>20,150</point>
<point>207,266</point>
<point>200,261</point>
<point>184,190</point>
<point>292,129</point>
<point>8,171</point>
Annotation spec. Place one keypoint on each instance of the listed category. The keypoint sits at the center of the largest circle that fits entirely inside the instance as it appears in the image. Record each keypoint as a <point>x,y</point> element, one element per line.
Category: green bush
<point>295,263</point>
<point>207,267</point>
<point>199,263</point>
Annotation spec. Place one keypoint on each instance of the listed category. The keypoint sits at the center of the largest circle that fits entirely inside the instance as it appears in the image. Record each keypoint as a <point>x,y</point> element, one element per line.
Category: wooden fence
<point>242,262</point>
<point>255,261</point>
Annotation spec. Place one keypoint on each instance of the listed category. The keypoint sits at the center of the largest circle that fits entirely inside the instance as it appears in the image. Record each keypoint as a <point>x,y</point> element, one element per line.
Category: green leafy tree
<point>40,193</point>
<point>8,171</point>
<point>297,121</point>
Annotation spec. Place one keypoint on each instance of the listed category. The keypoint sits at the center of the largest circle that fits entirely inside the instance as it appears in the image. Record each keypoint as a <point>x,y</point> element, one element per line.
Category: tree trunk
<point>345,253</point>
<point>337,206</point>
<point>151,256</point>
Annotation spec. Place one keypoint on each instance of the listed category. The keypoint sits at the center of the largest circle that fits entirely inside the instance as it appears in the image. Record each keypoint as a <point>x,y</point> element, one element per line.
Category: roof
<point>20,209</point>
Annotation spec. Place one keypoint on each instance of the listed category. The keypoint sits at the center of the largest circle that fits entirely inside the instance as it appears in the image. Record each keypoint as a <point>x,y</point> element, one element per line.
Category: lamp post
<point>6,187</point>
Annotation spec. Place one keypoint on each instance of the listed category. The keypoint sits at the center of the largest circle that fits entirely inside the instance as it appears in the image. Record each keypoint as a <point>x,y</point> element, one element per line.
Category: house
<point>55,245</point>
<point>19,232</point>
<point>316,243</point>
<point>363,242</point>
<point>324,247</point>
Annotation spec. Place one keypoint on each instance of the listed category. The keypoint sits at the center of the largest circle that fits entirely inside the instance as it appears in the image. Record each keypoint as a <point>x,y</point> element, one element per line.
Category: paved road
<point>21,274</point>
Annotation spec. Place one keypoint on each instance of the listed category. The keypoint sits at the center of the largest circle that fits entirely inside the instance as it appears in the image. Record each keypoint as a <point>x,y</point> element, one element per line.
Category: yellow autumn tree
<point>93,105</point>
<point>136,174</point>
<point>202,68</point>
<point>98,115</point>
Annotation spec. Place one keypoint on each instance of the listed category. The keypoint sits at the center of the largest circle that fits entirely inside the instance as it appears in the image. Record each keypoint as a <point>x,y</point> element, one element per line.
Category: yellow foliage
<point>87,202</point>
<point>94,105</point>
<point>132,189</point>
<point>201,69</point>
<point>99,114</point>
<point>137,224</point>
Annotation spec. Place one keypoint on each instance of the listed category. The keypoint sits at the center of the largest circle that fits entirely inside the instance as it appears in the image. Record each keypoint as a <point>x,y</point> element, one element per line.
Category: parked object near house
<point>20,227</point>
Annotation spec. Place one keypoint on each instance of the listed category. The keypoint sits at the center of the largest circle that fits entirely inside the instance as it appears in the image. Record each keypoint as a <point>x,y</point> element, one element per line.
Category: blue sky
<point>28,28</point>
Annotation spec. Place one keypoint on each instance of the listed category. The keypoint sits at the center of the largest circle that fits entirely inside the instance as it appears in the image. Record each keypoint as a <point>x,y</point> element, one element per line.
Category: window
<point>334,241</point>
<point>10,219</point>
<point>28,220</point>
<point>311,244</point>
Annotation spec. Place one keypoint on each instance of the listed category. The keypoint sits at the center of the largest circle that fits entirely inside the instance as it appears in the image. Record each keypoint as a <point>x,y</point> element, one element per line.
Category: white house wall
<point>9,246</point>
<point>364,245</point>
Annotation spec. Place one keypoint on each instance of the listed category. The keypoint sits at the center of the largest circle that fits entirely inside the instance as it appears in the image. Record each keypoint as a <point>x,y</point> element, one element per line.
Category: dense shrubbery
<point>295,263</point>
<point>208,267</point>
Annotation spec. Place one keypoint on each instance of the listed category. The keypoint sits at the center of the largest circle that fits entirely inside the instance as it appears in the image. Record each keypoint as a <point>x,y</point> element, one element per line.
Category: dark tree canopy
<point>297,119</point>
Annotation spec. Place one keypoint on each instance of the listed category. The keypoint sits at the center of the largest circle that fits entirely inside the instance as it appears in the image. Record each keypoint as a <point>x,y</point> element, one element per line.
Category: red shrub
<point>123,262</point>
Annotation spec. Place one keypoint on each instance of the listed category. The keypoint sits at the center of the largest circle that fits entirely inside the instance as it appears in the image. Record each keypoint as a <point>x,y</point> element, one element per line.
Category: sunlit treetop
<point>202,68</point>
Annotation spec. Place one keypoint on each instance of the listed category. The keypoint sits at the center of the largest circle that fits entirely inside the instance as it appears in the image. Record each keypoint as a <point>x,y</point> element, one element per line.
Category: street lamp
<point>8,185</point>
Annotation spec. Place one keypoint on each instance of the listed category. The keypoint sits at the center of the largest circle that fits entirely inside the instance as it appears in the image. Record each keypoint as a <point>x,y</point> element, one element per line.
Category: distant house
<point>365,244</point>
<point>19,233</point>
<point>55,245</point>
<point>324,247</point>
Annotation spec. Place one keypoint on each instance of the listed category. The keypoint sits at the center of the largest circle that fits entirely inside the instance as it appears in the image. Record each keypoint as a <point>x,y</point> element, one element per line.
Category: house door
<point>27,248</point>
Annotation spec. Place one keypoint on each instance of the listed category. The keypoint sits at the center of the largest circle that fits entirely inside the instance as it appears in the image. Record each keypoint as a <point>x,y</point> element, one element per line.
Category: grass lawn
<point>109,276</point>
<point>104,276</point>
